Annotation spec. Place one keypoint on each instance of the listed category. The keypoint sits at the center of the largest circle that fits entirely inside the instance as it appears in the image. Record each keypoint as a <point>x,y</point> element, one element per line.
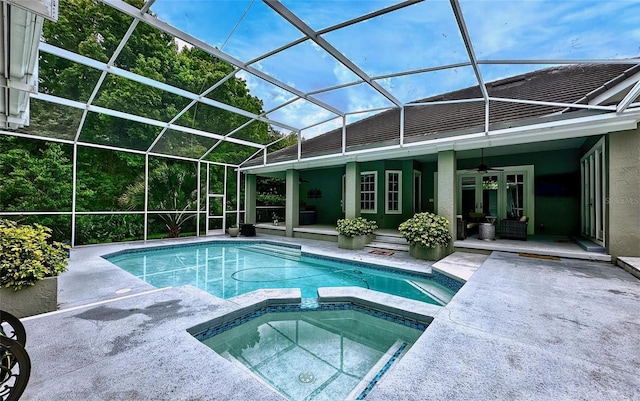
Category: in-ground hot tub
<point>335,351</point>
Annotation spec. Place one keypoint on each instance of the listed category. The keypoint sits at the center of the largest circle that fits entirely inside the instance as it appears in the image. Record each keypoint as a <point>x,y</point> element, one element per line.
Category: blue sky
<point>419,36</point>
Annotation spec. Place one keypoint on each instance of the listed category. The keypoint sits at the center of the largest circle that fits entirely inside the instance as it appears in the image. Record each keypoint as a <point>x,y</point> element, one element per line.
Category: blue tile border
<point>382,371</point>
<point>197,244</point>
<point>227,325</point>
<point>444,280</point>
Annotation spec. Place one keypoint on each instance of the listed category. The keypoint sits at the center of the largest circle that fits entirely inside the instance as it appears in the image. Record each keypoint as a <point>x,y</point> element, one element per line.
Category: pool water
<point>229,270</point>
<point>316,355</point>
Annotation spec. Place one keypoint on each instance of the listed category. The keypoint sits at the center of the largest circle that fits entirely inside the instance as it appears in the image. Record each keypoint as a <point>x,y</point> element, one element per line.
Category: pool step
<point>276,250</point>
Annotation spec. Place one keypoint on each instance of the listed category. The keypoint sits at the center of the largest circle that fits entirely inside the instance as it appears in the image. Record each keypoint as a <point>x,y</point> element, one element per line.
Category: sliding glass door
<point>593,192</point>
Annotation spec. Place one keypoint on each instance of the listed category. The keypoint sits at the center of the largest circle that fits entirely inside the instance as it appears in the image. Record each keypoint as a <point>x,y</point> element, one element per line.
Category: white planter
<point>233,231</point>
<point>355,243</point>
<point>39,298</point>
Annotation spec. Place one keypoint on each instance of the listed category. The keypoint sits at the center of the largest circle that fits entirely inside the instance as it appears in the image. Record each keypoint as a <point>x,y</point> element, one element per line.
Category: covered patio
<point>391,240</point>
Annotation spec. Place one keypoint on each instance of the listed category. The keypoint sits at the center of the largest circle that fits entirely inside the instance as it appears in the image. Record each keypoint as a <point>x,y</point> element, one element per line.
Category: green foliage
<point>356,226</point>
<point>26,256</point>
<point>174,189</point>
<point>426,229</point>
<point>97,229</point>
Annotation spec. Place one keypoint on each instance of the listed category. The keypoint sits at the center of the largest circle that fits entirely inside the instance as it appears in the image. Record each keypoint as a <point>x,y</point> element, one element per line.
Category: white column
<point>250,199</point>
<point>292,205</point>
<point>352,190</point>
<point>447,188</point>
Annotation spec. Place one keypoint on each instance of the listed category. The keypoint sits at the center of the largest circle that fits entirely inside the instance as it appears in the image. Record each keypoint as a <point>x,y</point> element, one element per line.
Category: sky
<point>420,36</point>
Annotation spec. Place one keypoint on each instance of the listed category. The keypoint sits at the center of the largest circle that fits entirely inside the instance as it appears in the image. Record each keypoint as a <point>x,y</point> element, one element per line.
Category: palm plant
<point>172,188</point>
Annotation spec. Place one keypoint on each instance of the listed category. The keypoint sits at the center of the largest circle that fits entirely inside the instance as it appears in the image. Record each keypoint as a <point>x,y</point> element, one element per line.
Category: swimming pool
<point>339,351</point>
<point>229,269</point>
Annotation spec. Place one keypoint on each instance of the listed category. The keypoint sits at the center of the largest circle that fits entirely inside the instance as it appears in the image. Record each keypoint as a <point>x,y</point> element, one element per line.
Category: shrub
<point>356,226</point>
<point>26,256</point>
<point>426,229</point>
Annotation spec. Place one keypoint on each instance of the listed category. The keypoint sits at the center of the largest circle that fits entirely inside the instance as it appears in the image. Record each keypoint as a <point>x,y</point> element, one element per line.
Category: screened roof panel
<point>355,98</point>
<point>183,144</point>
<point>333,12</point>
<point>95,34</point>
<point>409,88</point>
<point>51,120</point>
<point>244,29</point>
<point>271,95</point>
<point>547,29</point>
<point>141,100</point>
<point>301,113</point>
<point>231,153</point>
<point>56,72</point>
<point>233,91</point>
<point>109,130</point>
<point>256,131</point>
<point>307,67</point>
<point>207,118</point>
<point>418,36</point>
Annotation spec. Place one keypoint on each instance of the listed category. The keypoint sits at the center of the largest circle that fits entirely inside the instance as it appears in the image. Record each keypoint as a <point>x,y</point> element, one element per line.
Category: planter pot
<point>233,231</point>
<point>39,298</point>
<point>421,252</point>
<point>357,242</point>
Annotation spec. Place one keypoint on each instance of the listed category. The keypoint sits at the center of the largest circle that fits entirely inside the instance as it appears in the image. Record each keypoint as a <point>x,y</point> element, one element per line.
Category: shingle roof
<point>564,84</point>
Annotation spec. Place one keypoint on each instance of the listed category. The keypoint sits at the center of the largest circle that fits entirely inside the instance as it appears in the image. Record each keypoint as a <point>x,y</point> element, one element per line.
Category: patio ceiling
<point>317,66</point>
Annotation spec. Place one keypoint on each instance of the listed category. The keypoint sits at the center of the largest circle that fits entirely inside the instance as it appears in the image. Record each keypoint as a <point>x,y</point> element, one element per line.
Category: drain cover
<point>306,377</point>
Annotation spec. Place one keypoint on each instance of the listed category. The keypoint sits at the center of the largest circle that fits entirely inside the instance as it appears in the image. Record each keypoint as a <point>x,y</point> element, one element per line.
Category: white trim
<point>593,193</point>
<point>387,173</point>
<point>374,192</point>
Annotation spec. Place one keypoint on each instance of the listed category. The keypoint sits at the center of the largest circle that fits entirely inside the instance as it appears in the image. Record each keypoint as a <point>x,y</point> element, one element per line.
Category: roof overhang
<point>20,31</point>
<point>546,131</point>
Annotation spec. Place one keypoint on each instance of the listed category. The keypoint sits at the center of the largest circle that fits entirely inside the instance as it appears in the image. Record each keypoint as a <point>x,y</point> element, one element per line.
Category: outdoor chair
<point>514,229</point>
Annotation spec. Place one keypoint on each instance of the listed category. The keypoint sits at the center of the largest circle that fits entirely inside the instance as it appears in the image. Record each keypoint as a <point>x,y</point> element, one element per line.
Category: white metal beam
<point>144,120</point>
<point>466,38</point>
<point>629,98</point>
<point>326,46</point>
<point>154,22</point>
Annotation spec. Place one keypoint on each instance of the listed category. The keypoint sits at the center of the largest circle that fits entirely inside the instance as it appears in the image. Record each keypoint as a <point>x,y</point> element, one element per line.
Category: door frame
<point>593,193</point>
<point>529,196</point>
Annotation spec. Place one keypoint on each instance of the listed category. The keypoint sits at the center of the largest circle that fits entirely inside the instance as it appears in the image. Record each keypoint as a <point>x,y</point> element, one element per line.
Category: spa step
<point>275,250</point>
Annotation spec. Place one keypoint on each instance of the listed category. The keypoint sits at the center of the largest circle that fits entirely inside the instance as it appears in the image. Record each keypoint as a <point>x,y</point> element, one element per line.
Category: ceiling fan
<point>483,168</point>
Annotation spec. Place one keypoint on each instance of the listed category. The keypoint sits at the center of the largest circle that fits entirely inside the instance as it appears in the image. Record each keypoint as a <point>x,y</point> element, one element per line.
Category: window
<point>368,191</point>
<point>393,192</point>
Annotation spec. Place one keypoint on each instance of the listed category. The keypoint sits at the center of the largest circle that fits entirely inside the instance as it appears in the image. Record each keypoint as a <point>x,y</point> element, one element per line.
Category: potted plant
<point>428,236</point>
<point>29,266</point>
<point>353,233</point>
<point>233,230</point>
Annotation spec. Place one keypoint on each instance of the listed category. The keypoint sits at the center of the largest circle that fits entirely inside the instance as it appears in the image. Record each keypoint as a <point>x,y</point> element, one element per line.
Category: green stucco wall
<point>329,182</point>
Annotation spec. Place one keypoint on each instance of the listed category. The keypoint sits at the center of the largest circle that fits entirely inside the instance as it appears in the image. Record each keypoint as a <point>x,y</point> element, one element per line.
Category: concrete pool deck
<point>520,328</point>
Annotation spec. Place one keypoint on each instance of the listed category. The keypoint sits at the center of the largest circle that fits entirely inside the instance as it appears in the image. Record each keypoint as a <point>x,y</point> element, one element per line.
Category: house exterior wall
<point>329,182</point>
<point>623,202</point>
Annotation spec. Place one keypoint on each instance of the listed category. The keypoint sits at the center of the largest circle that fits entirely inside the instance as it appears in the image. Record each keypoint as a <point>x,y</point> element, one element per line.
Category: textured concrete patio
<point>521,329</point>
